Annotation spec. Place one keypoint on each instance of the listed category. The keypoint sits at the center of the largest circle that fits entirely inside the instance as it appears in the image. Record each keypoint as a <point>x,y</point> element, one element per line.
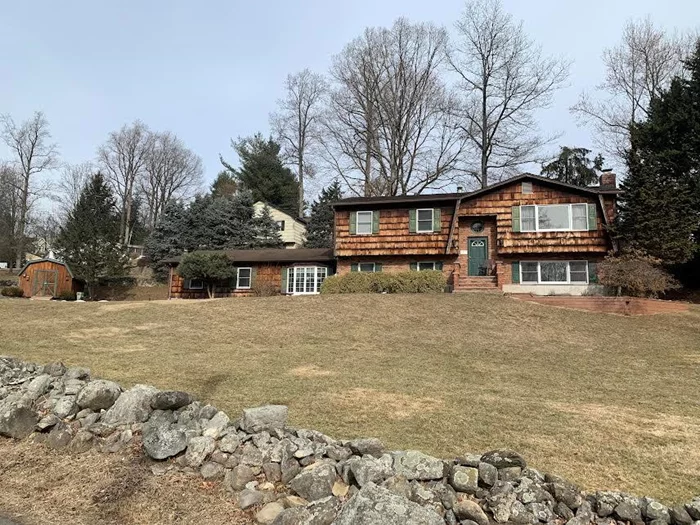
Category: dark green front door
<point>477,251</point>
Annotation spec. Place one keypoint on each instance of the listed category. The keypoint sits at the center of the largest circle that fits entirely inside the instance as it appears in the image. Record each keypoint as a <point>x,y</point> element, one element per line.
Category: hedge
<point>431,281</point>
<point>12,291</point>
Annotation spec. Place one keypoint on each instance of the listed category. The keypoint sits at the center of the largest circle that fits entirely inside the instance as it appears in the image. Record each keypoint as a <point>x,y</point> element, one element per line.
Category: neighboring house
<point>266,272</point>
<point>528,234</point>
<point>47,278</point>
<point>292,229</point>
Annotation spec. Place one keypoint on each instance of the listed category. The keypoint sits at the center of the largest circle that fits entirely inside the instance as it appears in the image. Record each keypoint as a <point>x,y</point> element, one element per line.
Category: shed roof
<point>49,260</point>
<point>273,255</point>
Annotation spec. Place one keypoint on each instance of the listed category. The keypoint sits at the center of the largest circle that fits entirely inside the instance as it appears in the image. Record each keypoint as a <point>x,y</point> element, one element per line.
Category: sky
<point>213,70</point>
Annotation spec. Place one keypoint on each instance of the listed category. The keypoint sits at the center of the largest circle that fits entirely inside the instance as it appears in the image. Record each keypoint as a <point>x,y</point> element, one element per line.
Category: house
<point>300,271</point>
<point>292,229</point>
<point>47,278</point>
<point>528,234</point>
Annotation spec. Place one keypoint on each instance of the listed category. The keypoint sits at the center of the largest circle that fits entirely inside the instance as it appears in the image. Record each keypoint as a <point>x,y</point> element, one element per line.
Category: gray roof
<point>272,255</point>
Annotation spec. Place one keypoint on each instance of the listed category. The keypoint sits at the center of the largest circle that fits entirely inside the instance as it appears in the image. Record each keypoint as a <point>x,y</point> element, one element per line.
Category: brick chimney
<point>608,180</point>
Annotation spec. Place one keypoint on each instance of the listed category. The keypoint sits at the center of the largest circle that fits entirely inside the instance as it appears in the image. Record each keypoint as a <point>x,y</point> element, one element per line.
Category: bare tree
<point>71,181</point>
<point>171,171</point>
<point>34,153</point>
<point>504,78</point>
<point>123,158</point>
<point>390,126</point>
<point>639,67</point>
<point>297,123</point>
<point>9,210</point>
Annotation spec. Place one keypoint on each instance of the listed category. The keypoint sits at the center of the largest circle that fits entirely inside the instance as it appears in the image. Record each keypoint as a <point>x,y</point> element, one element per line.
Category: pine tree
<point>89,240</point>
<point>268,235</point>
<point>166,240</point>
<point>225,185</point>
<point>660,204</point>
<point>321,225</point>
<point>573,166</point>
<point>263,173</point>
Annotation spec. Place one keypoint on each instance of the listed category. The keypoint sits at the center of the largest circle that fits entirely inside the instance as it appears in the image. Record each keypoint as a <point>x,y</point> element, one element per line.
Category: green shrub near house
<point>402,282</point>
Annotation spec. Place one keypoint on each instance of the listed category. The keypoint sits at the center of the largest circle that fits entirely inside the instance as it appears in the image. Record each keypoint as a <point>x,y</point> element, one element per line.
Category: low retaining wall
<point>291,476</point>
<point>610,305</point>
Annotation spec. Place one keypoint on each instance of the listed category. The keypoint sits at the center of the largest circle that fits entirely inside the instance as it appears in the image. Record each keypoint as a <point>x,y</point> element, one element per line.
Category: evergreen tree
<point>263,173</point>
<point>573,166</point>
<point>268,235</point>
<point>167,238</point>
<point>89,240</point>
<point>321,225</point>
<point>212,268</point>
<point>225,185</point>
<point>660,204</point>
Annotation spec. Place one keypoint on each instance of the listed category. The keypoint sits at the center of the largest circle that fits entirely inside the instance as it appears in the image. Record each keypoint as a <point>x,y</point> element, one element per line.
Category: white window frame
<point>570,227</point>
<point>373,270</point>
<point>432,220</point>
<point>238,278</point>
<point>539,273</point>
<point>291,279</point>
<point>188,284</point>
<point>280,225</point>
<point>419,269</point>
<point>357,222</point>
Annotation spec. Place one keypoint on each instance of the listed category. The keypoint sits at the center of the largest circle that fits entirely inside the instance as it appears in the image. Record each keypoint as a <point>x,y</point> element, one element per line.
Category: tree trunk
<point>210,290</point>
<point>300,168</point>
<point>484,137</point>
<point>22,223</point>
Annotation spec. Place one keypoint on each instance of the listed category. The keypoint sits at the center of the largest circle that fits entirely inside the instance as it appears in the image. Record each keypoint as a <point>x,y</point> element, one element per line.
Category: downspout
<point>606,221</point>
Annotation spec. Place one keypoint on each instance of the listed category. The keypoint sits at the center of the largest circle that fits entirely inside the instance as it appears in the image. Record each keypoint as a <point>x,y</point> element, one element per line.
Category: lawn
<point>610,402</point>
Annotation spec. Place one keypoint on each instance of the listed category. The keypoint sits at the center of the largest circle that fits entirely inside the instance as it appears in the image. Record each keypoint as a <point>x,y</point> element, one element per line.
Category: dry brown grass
<point>41,486</point>
<point>608,401</point>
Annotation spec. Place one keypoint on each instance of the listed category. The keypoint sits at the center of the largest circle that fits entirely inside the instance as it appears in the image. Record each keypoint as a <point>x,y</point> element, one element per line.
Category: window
<point>280,226</point>
<point>304,280</point>
<point>422,266</point>
<point>244,277</point>
<point>527,187</point>
<point>554,217</point>
<point>364,222</point>
<point>424,221</point>
<point>194,284</point>
<point>366,267</point>
<point>554,272</point>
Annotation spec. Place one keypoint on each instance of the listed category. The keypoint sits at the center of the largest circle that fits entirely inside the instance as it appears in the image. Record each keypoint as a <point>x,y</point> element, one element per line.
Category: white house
<point>292,229</point>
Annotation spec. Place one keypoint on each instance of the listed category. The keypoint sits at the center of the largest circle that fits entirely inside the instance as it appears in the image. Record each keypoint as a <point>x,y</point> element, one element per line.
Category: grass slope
<point>607,401</point>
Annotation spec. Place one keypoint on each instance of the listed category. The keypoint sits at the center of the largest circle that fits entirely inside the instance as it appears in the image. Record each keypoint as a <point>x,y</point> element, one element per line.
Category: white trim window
<point>244,278</point>
<point>554,272</point>
<point>423,266</point>
<point>424,220</point>
<point>554,217</point>
<point>305,280</point>
<point>194,284</point>
<point>363,222</point>
<point>366,267</point>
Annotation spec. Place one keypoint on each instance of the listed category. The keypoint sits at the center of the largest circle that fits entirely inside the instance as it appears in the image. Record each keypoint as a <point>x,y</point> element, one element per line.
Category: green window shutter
<point>353,223</point>
<point>516,218</point>
<point>414,266</point>
<point>592,272</point>
<point>354,267</point>
<point>283,287</point>
<point>438,265</point>
<point>437,224</point>
<point>377,267</point>
<point>515,270</point>
<point>375,221</point>
<point>411,221</point>
<point>592,218</point>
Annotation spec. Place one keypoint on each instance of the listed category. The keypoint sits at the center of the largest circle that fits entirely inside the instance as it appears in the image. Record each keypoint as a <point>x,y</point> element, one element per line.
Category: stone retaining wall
<point>291,476</point>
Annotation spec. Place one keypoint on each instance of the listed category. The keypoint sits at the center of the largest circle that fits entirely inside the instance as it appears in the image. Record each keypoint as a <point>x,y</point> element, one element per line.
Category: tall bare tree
<point>171,171</point>
<point>638,68</point>
<point>390,126</point>
<point>33,153</point>
<point>123,158</point>
<point>503,78</point>
<point>9,211</point>
<point>71,182</point>
<point>296,123</point>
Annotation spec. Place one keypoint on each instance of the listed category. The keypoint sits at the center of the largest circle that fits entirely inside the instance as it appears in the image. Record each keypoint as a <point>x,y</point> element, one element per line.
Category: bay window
<point>554,272</point>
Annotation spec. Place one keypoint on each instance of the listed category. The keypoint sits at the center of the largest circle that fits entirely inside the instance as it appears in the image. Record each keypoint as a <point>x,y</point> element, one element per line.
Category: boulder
<point>76,372</point>
<point>170,400</point>
<point>211,471</point>
<point>653,510</point>
<point>323,511</point>
<point>216,425</point>
<point>314,482</point>
<point>17,422</point>
<point>249,498</point>
<point>374,505</point>
<point>229,443</point>
<point>47,422</point>
<point>38,386</point>
<point>680,516</point>
<point>98,394</point>
<point>237,478</point>
<point>273,472</point>
<point>198,449</point>
<point>413,464</point>
<point>693,508</point>
<point>467,509</point>
<point>289,470</point>
<point>268,417</point>
<point>82,442</point>
<point>503,459</point>
<point>65,406</point>
<point>368,469</point>
<point>629,510</point>
<point>293,516</point>
<point>371,446</point>
<point>132,406</point>
<point>464,479</point>
<point>161,441</point>
<point>59,437</point>
<point>488,474</point>
<point>269,512</point>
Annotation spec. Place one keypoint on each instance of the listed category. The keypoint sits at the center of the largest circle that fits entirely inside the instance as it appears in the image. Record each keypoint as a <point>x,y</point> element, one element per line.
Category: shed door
<point>478,254</point>
<point>45,282</point>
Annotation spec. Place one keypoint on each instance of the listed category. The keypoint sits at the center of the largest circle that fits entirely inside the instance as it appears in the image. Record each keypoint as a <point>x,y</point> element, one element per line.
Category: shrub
<point>264,289</point>
<point>211,267</point>
<point>401,282</point>
<point>67,295</point>
<point>635,273</point>
<point>12,291</point>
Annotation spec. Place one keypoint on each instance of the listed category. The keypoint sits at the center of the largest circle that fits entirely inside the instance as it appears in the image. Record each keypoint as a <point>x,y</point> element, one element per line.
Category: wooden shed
<point>48,278</point>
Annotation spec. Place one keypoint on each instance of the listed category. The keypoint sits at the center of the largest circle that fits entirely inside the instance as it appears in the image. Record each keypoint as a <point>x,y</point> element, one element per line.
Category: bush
<point>264,289</point>
<point>401,282</point>
<point>635,273</point>
<point>12,291</point>
<point>67,295</point>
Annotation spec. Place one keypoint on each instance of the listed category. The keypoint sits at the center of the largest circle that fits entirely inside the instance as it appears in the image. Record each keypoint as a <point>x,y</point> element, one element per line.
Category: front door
<point>44,284</point>
<point>477,252</point>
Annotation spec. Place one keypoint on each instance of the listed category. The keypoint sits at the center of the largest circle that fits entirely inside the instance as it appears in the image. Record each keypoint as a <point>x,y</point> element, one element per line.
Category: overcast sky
<point>212,70</point>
